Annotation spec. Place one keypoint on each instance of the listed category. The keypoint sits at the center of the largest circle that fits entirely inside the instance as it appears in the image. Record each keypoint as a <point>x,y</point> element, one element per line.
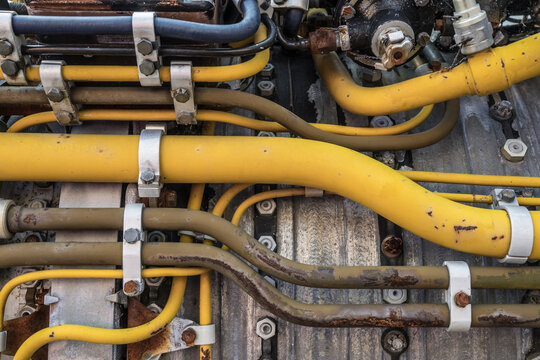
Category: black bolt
<point>147,67</point>
<point>148,176</point>
<point>181,95</point>
<point>64,117</point>
<point>6,47</point>
<point>55,95</point>
<point>131,235</point>
<point>145,47</point>
<point>10,68</point>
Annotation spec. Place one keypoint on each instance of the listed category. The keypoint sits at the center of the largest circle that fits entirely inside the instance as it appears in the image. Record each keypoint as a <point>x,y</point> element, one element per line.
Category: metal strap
<point>11,58</point>
<point>5,205</point>
<point>57,91</point>
<point>458,295</point>
<point>149,184</point>
<point>206,334</point>
<point>146,48</point>
<point>521,226</point>
<point>133,236</point>
<point>182,93</point>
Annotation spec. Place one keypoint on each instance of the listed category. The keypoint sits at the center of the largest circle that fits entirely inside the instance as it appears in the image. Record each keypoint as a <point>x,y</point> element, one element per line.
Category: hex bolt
<point>266,207</point>
<point>188,336</point>
<point>265,5</point>
<point>514,150</point>
<point>6,47</point>
<point>268,70</point>
<point>55,95</point>
<point>434,65</point>
<point>148,176</point>
<point>381,121</point>
<point>502,111</point>
<point>266,88</point>
<point>461,299</point>
<point>132,287</point>
<point>131,235</point>
<point>64,117</point>
<point>181,95</point>
<point>147,67</point>
<point>395,296</point>
<point>186,117</point>
<point>266,328</point>
<point>145,47</point>
<point>10,68</point>
<point>508,195</point>
<point>394,342</point>
<point>392,246</point>
<point>266,134</point>
<point>268,241</point>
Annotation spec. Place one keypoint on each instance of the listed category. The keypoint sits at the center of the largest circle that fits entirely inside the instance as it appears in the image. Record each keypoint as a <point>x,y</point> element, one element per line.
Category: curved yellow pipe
<point>483,73</point>
<point>472,179</point>
<point>111,73</point>
<point>113,158</point>
<point>486,199</point>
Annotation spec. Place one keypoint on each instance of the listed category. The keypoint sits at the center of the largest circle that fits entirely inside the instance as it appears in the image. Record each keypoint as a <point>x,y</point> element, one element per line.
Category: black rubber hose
<point>292,22</point>
<point>292,44</point>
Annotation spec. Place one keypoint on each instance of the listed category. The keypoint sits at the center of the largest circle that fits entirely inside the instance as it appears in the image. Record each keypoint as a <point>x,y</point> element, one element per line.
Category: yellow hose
<point>472,179</point>
<point>111,73</point>
<point>486,199</point>
<point>113,158</point>
<point>219,116</point>
<point>484,73</point>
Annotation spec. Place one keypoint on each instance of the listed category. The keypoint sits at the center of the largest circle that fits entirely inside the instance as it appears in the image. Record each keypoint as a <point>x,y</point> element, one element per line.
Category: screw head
<point>6,47</point>
<point>188,336</point>
<point>132,288</point>
<point>394,341</point>
<point>266,328</point>
<point>268,70</point>
<point>181,95</point>
<point>508,195</point>
<point>461,299</point>
<point>55,95</point>
<point>502,111</point>
<point>64,117</point>
<point>147,67</point>
<point>145,47</point>
<point>148,176</point>
<point>10,68</point>
<point>381,121</point>
<point>186,118</point>
<point>131,235</point>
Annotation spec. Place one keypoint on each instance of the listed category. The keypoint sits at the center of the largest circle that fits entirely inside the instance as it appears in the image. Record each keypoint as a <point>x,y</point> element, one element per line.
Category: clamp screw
<point>508,195</point>
<point>64,117</point>
<point>55,95</point>
<point>461,299</point>
<point>147,67</point>
<point>133,287</point>
<point>148,176</point>
<point>181,95</point>
<point>6,47</point>
<point>188,336</point>
<point>145,47</point>
<point>131,235</point>
<point>10,68</point>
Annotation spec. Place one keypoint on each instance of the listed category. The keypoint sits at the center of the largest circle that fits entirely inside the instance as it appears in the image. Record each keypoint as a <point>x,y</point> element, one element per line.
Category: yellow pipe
<point>484,73</point>
<point>113,158</point>
<point>219,116</point>
<point>487,199</point>
<point>227,197</point>
<point>112,73</point>
<point>472,179</point>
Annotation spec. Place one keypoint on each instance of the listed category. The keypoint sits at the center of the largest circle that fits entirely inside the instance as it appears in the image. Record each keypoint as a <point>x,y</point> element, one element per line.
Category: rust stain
<point>30,219</point>
<point>205,354</point>
<point>189,336</point>
<point>392,246</point>
<point>130,287</point>
<point>461,299</point>
<point>22,328</point>
<point>459,228</point>
<point>508,320</point>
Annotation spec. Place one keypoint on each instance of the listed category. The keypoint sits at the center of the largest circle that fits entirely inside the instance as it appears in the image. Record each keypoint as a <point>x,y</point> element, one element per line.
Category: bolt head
<point>507,195</point>
<point>395,296</point>
<point>6,47</point>
<point>268,70</point>
<point>145,47</point>
<point>394,342</point>
<point>461,299</point>
<point>132,235</point>
<point>10,68</point>
<point>268,241</point>
<point>266,207</point>
<point>187,118</point>
<point>148,176</point>
<point>502,111</point>
<point>64,117</point>
<point>266,88</point>
<point>423,38</point>
<point>147,67</point>
<point>55,95</point>
<point>188,336</point>
<point>266,328</point>
<point>265,5</point>
<point>381,121</point>
<point>132,288</point>
<point>181,95</point>
<point>514,150</point>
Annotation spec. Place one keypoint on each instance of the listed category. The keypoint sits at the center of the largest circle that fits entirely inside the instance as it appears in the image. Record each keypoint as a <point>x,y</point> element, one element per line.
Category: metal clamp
<point>521,226</point>
<point>149,184</point>
<point>133,236</point>
<point>57,91</point>
<point>5,205</point>
<point>206,334</point>
<point>458,295</point>
<point>11,58</point>
<point>290,4</point>
<point>146,48</point>
<point>3,341</point>
<point>182,93</point>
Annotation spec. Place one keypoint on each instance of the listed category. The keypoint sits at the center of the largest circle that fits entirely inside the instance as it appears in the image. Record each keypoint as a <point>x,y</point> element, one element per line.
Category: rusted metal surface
<point>189,336</point>
<point>392,246</point>
<point>130,287</point>
<point>22,328</point>
<point>323,41</point>
<point>461,299</point>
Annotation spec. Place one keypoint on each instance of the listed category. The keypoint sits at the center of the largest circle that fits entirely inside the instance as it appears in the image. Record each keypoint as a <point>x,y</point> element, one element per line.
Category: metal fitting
<point>148,176</point>
<point>37,204</point>
<point>268,241</point>
<point>155,308</point>
<point>514,150</point>
<point>392,246</point>
<point>32,283</point>
<point>347,12</point>
<point>147,67</point>
<point>266,88</point>
<point>507,195</point>
<point>181,95</point>
<point>132,235</point>
<point>145,47</point>
<point>381,121</point>
<point>266,328</point>
<point>10,68</point>
<point>268,70</point>
<point>392,43</point>
<point>6,47</point>
<point>462,299</point>
<point>473,29</point>
<point>266,207</point>
<point>5,205</point>
<point>55,95</point>
<point>266,134</point>
<point>64,117</point>
<point>26,310</point>
<point>189,336</point>
<point>395,296</point>
<point>502,111</point>
<point>394,342</point>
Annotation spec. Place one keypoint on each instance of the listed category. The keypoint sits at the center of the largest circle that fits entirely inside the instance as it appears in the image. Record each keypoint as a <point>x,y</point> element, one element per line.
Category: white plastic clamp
<point>133,237</point>
<point>149,184</point>
<point>5,205</point>
<point>206,334</point>
<point>146,48</point>
<point>57,91</point>
<point>182,92</point>
<point>521,226</point>
<point>12,56</point>
<point>458,295</point>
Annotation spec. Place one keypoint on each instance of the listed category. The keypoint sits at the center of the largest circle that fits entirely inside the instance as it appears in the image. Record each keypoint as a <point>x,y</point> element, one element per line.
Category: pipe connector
<point>5,205</point>
<point>472,27</point>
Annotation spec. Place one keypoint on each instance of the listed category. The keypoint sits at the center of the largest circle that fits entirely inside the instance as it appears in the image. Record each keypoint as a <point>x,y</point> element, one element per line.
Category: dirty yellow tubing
<point>219,116</point>
<point>113,158</point>
<point>472,179</point>
<point>111,73</point>
<point>486,199</point>
<point>484,73</point>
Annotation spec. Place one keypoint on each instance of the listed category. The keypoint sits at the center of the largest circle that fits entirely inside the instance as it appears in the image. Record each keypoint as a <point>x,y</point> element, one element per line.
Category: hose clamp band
<point>12,61</point>
<point>133,236</point>
<point>5,205</point>
<point>57,91</point>
<point>149,184</point>
<point>146,48</point>
<point>206,334</point>
<point>182,92</point>
<point>521,226</point>
<point>458,295</point>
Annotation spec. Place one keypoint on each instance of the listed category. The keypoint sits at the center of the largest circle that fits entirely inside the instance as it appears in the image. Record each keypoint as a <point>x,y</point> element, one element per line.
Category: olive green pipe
<point>27,219</point>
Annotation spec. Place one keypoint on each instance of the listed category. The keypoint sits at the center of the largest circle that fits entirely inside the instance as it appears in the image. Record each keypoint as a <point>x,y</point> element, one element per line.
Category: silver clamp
<point>290,4</point>
<point>5,205</point>
<point>149,184</point>
<point>146,48</point>
<point>57,91</point>
<point>521,226</point>
<point>3,340</point>
<point>133,236</point>
<point>458,295</point>
<point>182,93</point>
<point>12,61</point>
<point>206,334</point>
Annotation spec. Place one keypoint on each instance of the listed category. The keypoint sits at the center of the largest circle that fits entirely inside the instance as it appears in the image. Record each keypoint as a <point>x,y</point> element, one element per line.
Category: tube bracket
<point>182,92</point>
<point>521,226</point>
<point>58,92</point>
<point>206,334</point>
<point>5,205</point>
<point>11,58</point>
<point>133,236</point>
<point>149,183</point>
<point>146,44</point>
<point>458,295</point>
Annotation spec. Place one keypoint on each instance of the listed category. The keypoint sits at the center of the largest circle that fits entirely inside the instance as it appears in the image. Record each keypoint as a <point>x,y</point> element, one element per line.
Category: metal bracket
<point>146,48</point>
<point>206,334</point>
<point>458,295</point>
<point>290,4</point>
<point>133,236</point>
<point>5,205</point>
<point>149,184</point>
<point>3,341</point>
<point>11,58</point>
<point>182,93</point>
<point>521,226</point>
<point>57,91</point>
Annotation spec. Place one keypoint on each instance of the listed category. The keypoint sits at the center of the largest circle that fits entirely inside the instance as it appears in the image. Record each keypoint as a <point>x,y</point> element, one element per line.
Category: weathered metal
<point>20,329</point>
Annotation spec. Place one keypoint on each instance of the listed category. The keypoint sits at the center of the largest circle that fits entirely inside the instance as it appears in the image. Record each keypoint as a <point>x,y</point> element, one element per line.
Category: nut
<point>266,328</point>
<point>395,296</point>
<point>181,95</point>
<point>145,47</point>
<point>268,241</point>
<point>514,150</point>
<point>187,118</point>
<point>266,88</point>
<point>423,39</point>
<point>32,283</point>
<point>131,235</point>
<point>502,111</point>
<point>266,134</point>
<point>266,207</point>
<point>6,47</point>
<point>507,195</point>
<point>461,299</point>
<point>188,336</point>
<point>55,95</point>
<point>156,236</point>
<point>26,310</point>
<point>268,70</point>
<point>147,67</point>
<point>64,117</point>
<point>10,68</point>
<point>148,176</point>
<point>381,121</point>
